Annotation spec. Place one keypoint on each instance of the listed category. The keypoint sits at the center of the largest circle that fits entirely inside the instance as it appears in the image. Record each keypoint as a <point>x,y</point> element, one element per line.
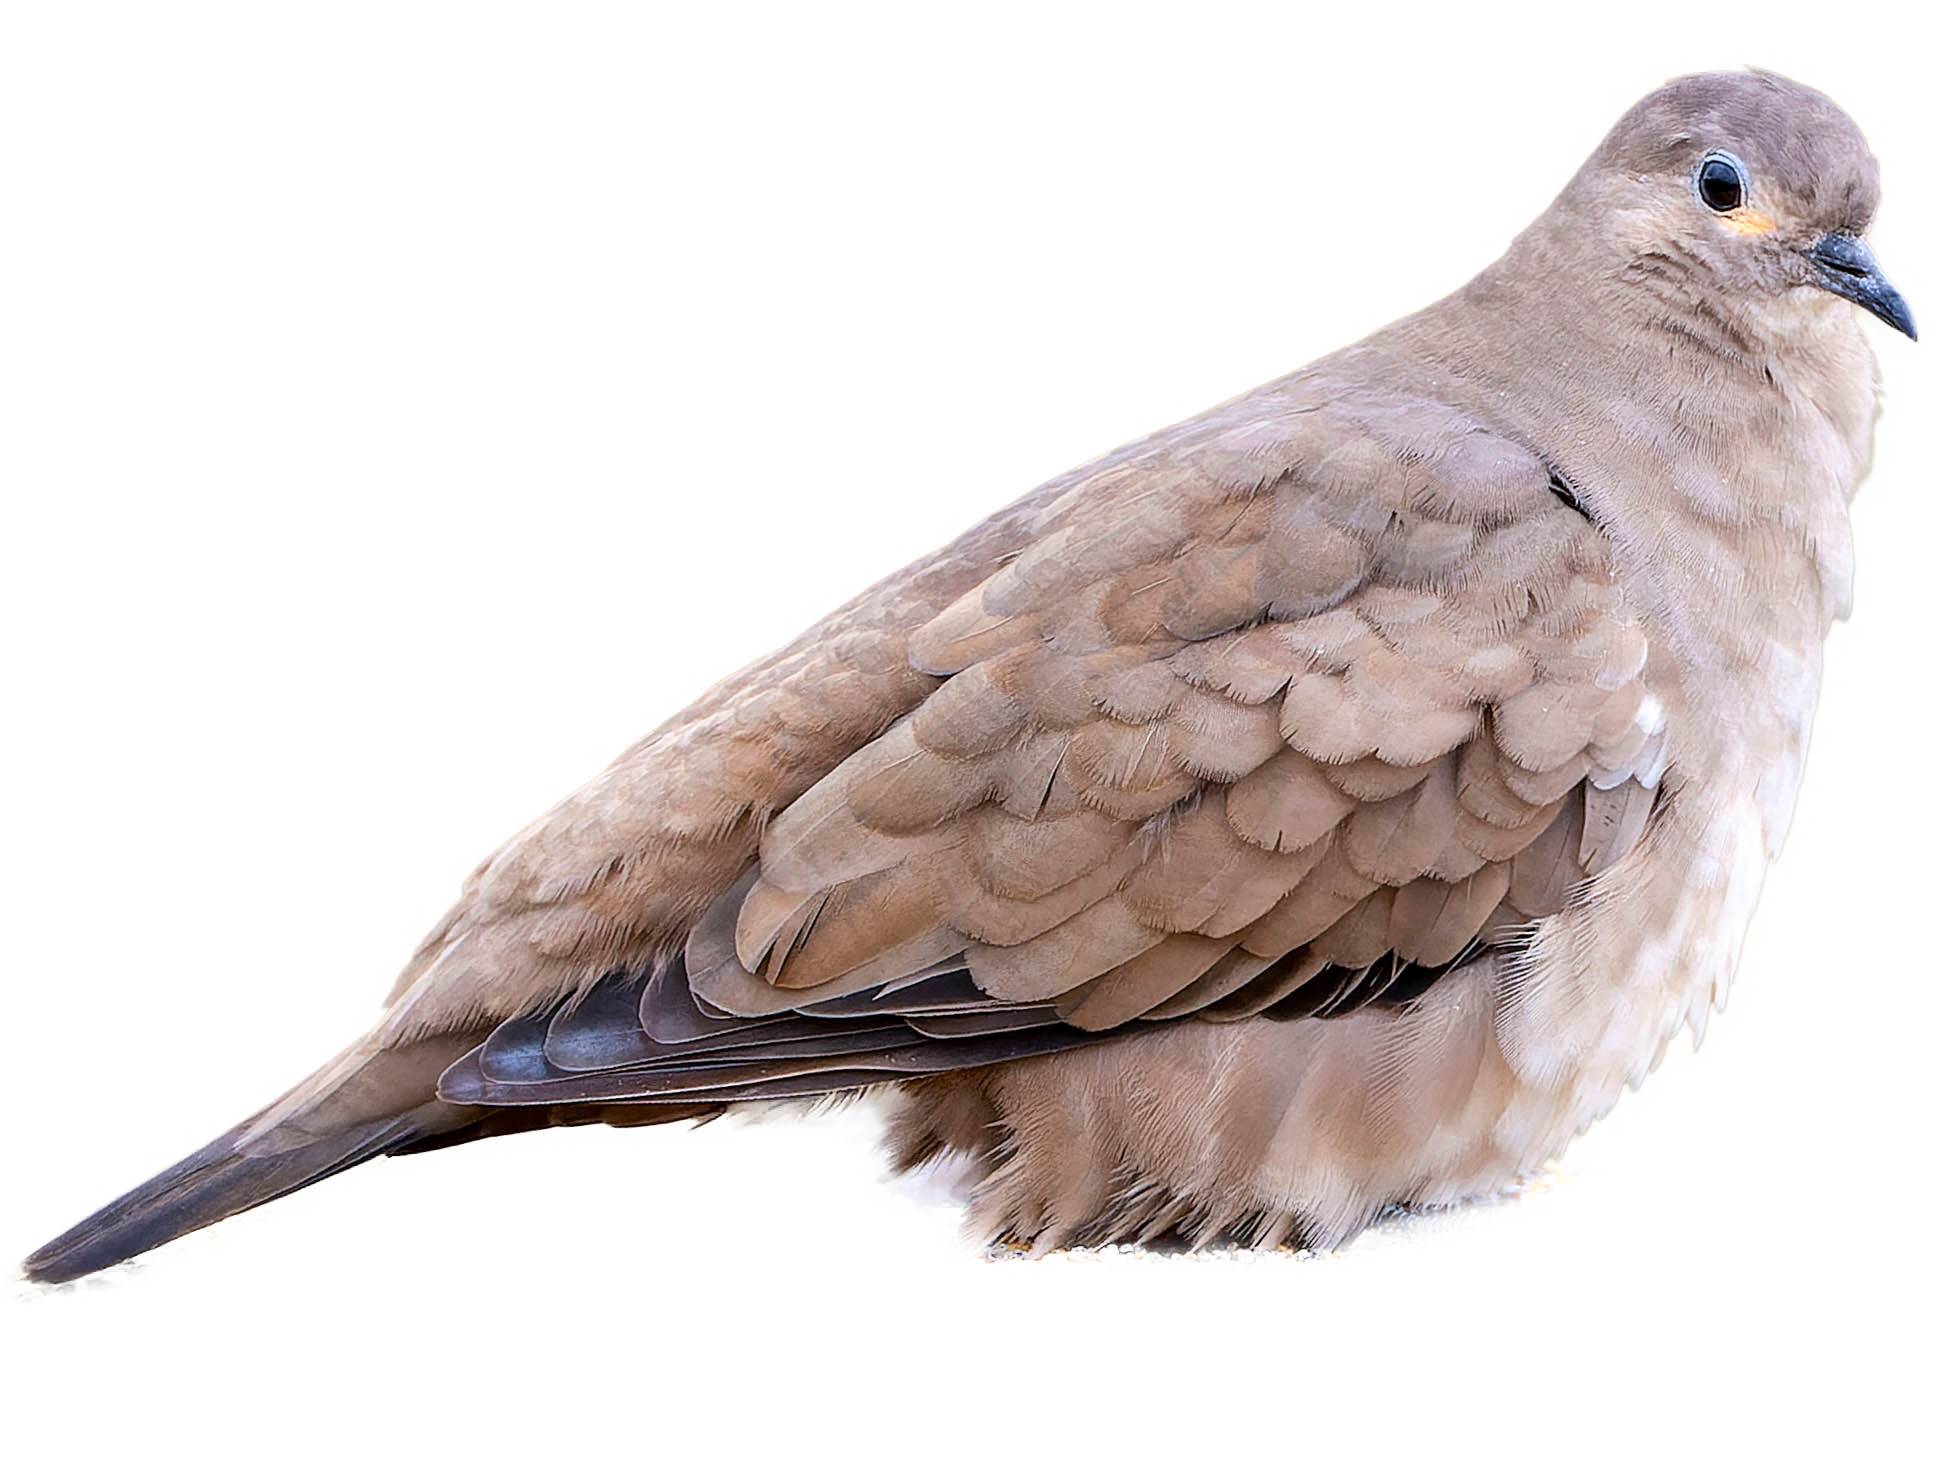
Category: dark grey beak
<point>1848,269</point>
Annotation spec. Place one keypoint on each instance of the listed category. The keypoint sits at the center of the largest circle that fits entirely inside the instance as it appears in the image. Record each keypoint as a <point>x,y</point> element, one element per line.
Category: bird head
<point>1742,190</point>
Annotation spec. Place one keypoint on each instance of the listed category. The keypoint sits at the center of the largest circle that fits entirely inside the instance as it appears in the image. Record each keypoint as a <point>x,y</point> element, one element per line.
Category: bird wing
<point>1289,711</point>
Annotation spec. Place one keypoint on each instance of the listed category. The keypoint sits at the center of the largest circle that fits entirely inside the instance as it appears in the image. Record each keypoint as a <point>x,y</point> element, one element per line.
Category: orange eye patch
<point>1749,221</point>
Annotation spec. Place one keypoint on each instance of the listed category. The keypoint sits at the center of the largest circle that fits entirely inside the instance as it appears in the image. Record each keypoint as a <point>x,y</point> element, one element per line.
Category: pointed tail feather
<point>383,1103</point>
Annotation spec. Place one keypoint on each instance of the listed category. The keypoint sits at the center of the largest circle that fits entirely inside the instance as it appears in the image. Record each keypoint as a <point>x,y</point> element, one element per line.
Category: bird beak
<point>1848,268</point>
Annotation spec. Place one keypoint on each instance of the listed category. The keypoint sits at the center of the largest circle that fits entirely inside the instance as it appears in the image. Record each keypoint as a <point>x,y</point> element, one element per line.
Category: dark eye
<point>1720,184</point>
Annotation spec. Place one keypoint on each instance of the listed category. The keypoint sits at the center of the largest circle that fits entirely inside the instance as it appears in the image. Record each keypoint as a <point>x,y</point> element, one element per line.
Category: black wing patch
<point>1563,490</point>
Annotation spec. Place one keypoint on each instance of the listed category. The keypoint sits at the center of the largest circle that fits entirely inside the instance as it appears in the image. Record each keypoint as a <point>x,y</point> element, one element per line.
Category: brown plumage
<point>1325,804</point>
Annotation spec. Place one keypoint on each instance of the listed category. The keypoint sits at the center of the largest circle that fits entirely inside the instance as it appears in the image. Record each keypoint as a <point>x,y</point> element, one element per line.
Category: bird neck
<point>1720,477</point>
<point>1691,436</point>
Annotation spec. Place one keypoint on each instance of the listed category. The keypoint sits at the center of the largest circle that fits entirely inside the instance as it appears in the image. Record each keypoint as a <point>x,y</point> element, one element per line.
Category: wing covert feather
<point>1206,722</point>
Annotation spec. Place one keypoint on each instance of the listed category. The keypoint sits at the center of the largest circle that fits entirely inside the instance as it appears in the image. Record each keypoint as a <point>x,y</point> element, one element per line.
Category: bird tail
<point>368,1102</point>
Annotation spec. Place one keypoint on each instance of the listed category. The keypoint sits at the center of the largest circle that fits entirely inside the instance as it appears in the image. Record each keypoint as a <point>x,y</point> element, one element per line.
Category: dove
<point>1325,807</point>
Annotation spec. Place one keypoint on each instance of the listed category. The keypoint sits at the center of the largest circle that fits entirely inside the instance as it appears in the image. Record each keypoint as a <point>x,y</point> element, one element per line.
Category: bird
<point>1322,809</point>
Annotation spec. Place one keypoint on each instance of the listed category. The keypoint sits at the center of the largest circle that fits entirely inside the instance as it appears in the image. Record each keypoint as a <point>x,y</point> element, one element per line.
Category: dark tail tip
<point>205,1187</point>
<point>370,1101</point>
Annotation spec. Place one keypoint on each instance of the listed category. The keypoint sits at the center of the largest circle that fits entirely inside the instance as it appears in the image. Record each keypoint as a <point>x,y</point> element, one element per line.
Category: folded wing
<point>1288,718</point>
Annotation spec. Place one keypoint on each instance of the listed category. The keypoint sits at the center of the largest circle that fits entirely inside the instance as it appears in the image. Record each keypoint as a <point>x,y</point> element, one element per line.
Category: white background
<point>405,406</point>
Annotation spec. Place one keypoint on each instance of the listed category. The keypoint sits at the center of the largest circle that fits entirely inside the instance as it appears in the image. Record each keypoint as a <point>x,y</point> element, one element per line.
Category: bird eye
<point>1720,184</point>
